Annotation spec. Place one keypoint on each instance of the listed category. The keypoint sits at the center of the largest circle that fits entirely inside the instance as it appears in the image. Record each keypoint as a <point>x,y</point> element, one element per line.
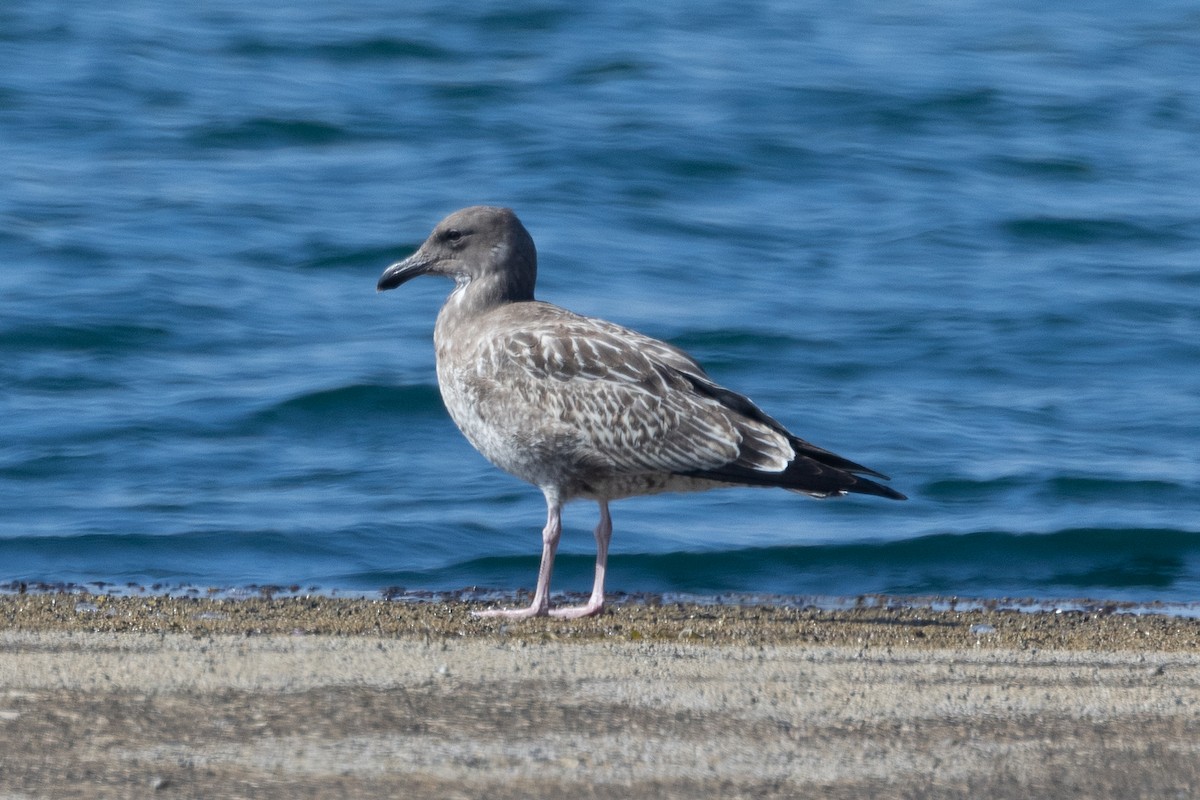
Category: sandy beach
<point>319,697</point>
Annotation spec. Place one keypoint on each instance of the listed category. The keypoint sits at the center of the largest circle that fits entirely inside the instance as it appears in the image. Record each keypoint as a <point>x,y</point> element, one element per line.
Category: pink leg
<point>595,603</point>
<point>540,606</point>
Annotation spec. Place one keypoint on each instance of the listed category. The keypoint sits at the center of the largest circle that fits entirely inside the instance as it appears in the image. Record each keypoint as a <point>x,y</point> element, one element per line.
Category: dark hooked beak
<point>402,271</point>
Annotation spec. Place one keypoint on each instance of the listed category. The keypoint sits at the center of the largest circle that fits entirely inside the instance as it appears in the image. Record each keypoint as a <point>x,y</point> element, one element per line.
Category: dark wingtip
<point>865,486</point>
<point>802,475</point>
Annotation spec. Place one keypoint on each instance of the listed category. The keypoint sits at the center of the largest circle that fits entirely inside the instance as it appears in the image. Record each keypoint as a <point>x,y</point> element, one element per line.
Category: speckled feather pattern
<point>599,410</point>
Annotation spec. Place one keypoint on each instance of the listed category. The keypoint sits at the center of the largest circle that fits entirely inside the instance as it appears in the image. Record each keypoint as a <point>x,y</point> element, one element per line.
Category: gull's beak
<point>402,271</point>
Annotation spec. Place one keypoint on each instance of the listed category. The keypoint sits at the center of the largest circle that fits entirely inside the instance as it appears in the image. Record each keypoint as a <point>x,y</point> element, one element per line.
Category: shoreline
<point>878,621</point>
<point>316,697</point>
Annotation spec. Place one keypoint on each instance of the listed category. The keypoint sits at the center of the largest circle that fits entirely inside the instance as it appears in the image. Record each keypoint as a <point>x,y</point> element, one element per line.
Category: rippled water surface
<point>959,243</point>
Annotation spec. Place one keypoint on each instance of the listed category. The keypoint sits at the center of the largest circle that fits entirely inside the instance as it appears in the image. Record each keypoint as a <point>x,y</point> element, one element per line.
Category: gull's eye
<point>452,235</point>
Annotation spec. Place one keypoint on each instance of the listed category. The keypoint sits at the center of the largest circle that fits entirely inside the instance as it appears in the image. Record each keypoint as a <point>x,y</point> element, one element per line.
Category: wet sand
<point>317,697</point>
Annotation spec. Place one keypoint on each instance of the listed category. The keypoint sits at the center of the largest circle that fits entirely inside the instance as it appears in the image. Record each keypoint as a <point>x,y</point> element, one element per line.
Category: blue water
<point>957,242</point>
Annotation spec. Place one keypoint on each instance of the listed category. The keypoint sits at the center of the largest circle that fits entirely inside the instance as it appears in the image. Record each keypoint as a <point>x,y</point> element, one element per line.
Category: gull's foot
<point>514,613</point>
<point>592,608</point>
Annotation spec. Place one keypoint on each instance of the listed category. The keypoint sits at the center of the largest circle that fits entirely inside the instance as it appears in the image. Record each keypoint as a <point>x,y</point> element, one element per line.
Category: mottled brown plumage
<point>584,408</point>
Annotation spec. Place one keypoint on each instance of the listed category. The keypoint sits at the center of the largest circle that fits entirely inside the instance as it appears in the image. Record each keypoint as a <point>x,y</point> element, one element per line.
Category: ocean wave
<point>1048,230</point>
<point>1100,563</point>
<point>110,338</point>
<point>1109,563</point>
<point>267,132</point>
<point>375,48</point>
<point>1057,488</point>
<point>351,403</point>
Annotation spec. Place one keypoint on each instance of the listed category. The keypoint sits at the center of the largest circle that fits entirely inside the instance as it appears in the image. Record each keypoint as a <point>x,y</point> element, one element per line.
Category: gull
<point>586,409</point>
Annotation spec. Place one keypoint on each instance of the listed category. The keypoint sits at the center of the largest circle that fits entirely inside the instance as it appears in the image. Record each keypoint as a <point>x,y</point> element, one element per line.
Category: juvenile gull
<point>586,409</point>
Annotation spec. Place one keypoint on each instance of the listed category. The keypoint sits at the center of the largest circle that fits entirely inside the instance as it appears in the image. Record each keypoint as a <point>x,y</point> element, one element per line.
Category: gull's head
<point>482,246</point>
